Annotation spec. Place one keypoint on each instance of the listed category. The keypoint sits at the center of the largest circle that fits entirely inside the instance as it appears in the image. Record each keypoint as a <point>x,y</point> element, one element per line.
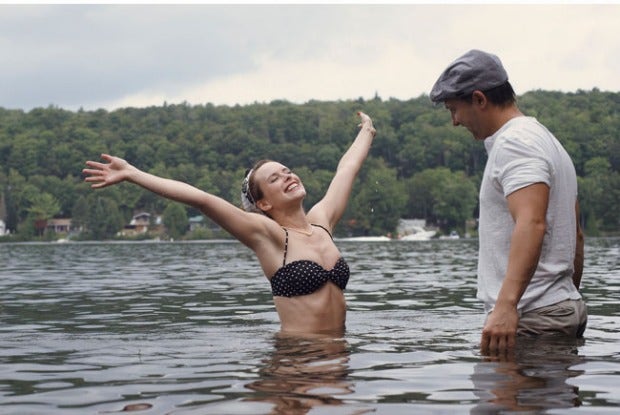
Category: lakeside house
<point>196,222</point>
<point>142,223</point>
<point>61,225</point>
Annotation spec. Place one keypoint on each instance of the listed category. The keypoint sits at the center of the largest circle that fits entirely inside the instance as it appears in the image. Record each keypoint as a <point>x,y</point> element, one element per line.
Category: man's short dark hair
<point>502,95</point>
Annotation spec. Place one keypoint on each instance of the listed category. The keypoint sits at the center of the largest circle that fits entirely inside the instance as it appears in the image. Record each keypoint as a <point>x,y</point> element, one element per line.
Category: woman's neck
<point>297,221</point>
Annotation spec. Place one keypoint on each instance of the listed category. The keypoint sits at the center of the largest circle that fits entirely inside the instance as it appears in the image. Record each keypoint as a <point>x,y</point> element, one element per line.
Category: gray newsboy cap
<point>475,70</point>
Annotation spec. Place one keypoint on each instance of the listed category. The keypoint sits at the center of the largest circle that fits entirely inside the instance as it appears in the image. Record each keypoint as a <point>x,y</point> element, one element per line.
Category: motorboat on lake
<point>417,233</point>
<point>366,239</point>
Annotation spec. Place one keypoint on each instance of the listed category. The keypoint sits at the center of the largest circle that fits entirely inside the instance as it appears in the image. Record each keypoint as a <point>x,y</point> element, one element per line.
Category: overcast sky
<point>115,55</point>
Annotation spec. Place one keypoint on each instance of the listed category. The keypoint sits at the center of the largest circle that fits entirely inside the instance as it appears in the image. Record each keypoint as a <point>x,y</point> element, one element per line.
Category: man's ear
<point>479,99</point>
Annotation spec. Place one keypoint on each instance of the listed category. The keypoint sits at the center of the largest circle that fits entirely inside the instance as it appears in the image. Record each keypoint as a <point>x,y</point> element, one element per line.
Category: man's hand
<point>500,330</point>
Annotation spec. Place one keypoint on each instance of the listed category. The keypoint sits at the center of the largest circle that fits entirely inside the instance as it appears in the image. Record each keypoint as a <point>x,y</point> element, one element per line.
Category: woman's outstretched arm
<point>333,204</point>
<point>247,227</point>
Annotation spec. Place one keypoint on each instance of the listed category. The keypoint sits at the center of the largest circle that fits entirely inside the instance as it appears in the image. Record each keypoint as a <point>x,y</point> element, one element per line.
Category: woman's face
<point>278,184</point>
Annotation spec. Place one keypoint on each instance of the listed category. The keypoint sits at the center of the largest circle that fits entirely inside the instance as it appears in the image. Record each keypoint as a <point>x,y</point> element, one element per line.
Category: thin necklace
<point>307,233</point>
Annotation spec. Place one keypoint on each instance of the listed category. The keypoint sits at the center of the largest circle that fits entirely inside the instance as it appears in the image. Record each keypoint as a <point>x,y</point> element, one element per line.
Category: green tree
<point>175,220</point>
<point>442,197</point>
<point>43,151</point>
<point>376,203</point>
<point>43,206</point>
<point>101,217</point>
<point>599,190</point>
<point>454,202</point>
<point>81,213</point>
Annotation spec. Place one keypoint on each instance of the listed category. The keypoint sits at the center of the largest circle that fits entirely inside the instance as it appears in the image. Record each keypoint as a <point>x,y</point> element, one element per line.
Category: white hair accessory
<point>247,200</point>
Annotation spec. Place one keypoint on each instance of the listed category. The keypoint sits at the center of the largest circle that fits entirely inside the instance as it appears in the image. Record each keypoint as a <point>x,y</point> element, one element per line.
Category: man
<point>531,246</point>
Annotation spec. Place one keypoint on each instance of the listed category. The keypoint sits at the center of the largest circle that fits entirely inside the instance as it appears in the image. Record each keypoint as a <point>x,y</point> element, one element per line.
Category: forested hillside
<point>420,165</point>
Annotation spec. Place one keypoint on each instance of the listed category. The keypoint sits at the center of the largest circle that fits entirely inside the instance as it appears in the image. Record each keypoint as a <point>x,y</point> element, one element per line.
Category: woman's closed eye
<point>274,177</point>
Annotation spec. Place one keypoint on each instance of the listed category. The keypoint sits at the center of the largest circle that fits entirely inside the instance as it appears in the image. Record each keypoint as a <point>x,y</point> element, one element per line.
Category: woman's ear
<point>264,205</point>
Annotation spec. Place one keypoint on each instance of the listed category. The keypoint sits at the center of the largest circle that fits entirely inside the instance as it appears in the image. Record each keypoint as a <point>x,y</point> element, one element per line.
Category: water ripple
<point>190,328</point>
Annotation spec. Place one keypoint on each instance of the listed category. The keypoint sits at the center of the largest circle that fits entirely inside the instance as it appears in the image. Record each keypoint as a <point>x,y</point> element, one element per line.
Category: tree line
<point>420,166</point>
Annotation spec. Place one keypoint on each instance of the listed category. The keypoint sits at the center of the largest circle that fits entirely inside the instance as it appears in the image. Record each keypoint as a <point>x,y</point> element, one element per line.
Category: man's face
<point>468,115</point>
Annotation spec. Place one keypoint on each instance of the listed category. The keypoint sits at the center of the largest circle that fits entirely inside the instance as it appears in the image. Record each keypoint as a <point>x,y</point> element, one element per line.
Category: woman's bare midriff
<point>320,312</point>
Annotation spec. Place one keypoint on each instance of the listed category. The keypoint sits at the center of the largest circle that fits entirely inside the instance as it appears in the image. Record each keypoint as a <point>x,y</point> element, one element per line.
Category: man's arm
<point>528,207</point>
<point>579,255</point>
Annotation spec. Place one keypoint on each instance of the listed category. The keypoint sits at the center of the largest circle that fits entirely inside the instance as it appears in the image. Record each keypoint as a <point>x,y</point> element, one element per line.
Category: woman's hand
<point>366,123</point>
<point>106,174</point>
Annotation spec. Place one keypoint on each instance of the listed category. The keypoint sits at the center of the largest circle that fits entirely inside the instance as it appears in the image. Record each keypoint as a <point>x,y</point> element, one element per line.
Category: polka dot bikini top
<point>304,277</point>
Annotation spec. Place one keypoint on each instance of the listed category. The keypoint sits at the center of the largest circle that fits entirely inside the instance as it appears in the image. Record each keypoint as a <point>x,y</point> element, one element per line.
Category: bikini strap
<point>285,246</point>
<point>286,240</point>
<point>324,228</point>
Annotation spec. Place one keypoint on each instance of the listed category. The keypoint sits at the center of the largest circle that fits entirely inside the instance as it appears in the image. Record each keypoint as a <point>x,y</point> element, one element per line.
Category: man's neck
<point>504,114</point>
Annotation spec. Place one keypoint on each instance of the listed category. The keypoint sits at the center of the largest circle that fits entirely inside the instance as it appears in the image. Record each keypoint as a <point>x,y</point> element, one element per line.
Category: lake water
<point>190,328</point>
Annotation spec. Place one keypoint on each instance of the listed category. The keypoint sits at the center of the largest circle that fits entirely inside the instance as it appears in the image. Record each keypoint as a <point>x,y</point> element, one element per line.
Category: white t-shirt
<point>521,153</point>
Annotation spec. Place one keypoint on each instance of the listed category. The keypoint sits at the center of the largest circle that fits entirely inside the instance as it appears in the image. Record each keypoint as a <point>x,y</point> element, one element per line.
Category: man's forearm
<point>579,258</point>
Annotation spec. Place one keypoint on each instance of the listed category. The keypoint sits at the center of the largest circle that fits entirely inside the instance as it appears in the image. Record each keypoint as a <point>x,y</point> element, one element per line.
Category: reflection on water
<point>302,373</point>
<point>533,378</point>
<point>190,328</point>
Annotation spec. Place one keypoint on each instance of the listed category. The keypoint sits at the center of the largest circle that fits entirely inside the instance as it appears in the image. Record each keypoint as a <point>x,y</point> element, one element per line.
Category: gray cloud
<point>69,55</point>
<point>89,56</point>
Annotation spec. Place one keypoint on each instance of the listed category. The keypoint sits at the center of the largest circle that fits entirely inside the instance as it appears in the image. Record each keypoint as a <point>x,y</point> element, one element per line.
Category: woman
<point>295,249</point>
